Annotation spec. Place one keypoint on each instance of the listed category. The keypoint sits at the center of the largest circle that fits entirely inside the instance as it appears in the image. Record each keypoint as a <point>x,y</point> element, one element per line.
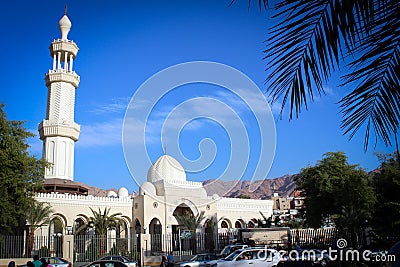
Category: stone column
<point>68,248</point>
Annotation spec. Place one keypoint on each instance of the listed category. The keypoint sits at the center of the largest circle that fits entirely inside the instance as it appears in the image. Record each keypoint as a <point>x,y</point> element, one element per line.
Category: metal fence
<point>26,247</point>
<point>316,238</point>
<point>87,248</point>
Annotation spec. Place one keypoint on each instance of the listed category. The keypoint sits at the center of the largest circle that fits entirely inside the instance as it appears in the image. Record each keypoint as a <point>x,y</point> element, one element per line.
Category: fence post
<point>145,244</point>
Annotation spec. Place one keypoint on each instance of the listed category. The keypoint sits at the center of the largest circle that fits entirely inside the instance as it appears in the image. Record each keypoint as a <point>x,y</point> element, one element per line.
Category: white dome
<point>112,194</point>
<point>123,192</point>
<point>166,168</point>
<point>147,189</point>
<point>65,25</point>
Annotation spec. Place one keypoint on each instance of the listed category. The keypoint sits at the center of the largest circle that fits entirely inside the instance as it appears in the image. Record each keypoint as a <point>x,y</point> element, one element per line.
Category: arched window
<point>238,224</point>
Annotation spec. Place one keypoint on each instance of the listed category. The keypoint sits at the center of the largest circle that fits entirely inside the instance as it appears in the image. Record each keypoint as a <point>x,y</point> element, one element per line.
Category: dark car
<point>123,259</point>
<point>107,263</point>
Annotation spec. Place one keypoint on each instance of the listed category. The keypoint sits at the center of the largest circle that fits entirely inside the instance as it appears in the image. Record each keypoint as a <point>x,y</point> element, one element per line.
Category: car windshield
<point>225,251</point>
<point>232,256</point>
<point>194,258</point>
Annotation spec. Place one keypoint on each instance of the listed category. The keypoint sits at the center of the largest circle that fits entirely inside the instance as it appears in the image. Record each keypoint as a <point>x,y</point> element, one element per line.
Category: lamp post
<point>68,230</point>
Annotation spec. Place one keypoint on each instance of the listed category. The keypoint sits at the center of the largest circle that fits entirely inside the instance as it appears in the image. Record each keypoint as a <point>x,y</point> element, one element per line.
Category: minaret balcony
<point>61,75</point>
<point>59,128</point>
<point>60,45</point>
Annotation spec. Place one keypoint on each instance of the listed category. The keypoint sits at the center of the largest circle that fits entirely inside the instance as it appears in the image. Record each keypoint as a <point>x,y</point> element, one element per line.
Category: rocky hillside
<point>261,189</point>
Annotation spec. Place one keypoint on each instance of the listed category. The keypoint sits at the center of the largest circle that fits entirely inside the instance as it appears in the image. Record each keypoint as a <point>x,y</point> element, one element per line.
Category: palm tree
<point>191,222</point>
<point>313,38</point>
<point>37,215</point>
<point>101,222</point>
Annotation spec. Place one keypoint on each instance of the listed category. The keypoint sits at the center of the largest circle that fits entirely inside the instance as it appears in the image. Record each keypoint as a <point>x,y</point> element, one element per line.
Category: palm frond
<point>38,214</point>
<point>375,101</point>
<point>262,4</point>
<point>190,221</point>
<point>302,51</point>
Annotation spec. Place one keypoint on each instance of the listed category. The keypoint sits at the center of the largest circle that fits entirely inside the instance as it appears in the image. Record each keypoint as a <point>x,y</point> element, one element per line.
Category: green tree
<point>20,174</point>
<point>191,222</point>
<point>386,219</point>
<point>102,222</point>
<point>37,215</point>
<point>312,39</point>
<point>338,191</point>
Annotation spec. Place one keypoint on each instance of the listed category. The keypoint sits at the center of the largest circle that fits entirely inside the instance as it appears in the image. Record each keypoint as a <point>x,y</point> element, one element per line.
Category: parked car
<point>299,263</point>
<point>316,256</point>
<point>199,260</point>
<point>123,259</point>
<point>231,248</point>
<point>256,257</point>
<point>57,262</point>
<point>107,263</point>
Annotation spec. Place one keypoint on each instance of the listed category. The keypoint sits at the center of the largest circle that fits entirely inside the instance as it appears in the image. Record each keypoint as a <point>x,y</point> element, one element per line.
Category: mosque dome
<point>123,192</point>
<point>166,168</point>
<point>65,25</point>
<point>147,189</point>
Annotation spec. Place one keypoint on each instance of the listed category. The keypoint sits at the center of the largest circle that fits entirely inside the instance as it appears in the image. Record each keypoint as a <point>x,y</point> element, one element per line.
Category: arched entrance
<point>209,233</point>
<point>155,231</point>
<point>138,232</point>
<point>238,224</point>
<point>80,239</point>
<point>181,235</point>
<point>56,237</point>
<point>250,224</point>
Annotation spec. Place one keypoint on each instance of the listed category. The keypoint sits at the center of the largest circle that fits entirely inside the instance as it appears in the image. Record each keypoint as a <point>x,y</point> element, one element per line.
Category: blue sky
<point>123,44</point>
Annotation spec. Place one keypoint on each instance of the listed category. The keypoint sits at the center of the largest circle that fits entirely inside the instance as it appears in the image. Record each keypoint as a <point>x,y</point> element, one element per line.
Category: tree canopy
<point>386,220</point>
<point>338,191</point>
<point>20,173</point>
<point>190,221</point>
<point>102,222</point>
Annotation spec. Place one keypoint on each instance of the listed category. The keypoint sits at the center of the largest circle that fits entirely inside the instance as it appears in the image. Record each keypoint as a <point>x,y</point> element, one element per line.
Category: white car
<point>199,260</point>
<point>256,257</point>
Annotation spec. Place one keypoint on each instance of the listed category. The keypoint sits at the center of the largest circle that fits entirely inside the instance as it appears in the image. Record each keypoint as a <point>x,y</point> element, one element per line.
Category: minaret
<point>58,131</point>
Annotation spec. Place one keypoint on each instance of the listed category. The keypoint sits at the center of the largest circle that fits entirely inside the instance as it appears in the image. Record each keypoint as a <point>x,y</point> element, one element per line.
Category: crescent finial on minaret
<point>65,9</point>
<point>165,149</point>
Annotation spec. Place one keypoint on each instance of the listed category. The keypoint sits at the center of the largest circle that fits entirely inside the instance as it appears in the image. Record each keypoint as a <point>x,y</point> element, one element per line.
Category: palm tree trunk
<point>102,245</point>
<point>31,241</point>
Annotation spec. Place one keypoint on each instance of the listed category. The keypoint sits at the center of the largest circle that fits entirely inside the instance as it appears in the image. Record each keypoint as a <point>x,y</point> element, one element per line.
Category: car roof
<point>100,261</point>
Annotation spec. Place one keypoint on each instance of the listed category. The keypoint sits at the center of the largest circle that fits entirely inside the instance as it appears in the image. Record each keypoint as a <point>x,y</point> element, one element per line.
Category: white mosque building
<point>165,194</point>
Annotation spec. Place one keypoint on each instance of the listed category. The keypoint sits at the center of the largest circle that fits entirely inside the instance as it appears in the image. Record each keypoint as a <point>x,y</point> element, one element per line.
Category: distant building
<point>281,204</point>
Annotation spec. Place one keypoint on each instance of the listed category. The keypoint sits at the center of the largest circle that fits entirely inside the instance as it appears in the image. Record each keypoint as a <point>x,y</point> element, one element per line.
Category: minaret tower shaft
<point>58,131</point>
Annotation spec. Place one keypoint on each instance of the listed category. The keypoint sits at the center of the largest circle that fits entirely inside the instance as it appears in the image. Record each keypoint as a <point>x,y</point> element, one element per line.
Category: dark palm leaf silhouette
<point>313,38</point>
